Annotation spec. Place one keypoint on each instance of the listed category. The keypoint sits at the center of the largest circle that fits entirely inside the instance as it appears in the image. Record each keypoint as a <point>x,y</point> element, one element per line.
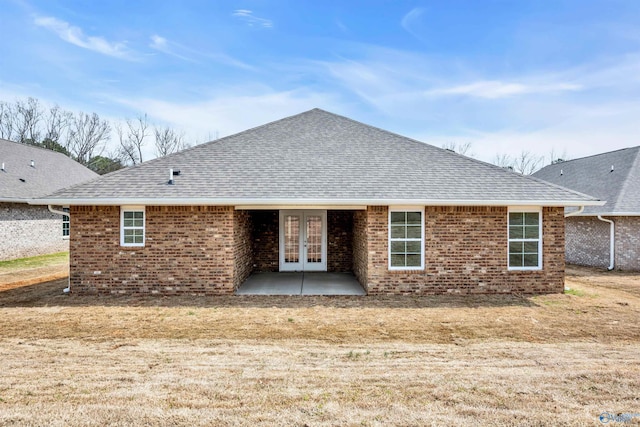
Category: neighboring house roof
<point>316,158</point>
<point>51,171</point>
<point>612,176</point>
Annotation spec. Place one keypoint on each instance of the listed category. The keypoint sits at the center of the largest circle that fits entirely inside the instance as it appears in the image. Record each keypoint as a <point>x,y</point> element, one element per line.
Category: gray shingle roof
<point>620,187</point>
<point>316,156</point>
<point>52,171</point>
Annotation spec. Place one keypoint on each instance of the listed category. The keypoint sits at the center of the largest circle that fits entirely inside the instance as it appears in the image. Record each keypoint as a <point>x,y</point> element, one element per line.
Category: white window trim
<point>406,209</point>
<point>124,209</point>
<point>526,209</point>
<point>66,209</point>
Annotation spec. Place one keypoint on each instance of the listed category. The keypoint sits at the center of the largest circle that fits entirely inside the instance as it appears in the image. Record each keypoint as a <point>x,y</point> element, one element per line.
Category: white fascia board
<point>229,201</point>
<point>610,214</point>
<point>8,200</point>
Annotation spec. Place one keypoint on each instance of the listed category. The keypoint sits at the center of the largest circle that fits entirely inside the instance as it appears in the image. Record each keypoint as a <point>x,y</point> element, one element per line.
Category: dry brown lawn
<point>322,361</point>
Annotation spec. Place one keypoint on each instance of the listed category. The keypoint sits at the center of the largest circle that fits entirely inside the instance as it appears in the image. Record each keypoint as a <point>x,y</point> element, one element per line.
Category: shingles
<point>612,176</point>
<point>319,155</point>
<point>50,172</point>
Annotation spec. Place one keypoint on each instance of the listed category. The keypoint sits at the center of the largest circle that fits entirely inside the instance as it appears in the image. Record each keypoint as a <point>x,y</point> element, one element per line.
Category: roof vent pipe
<point>561,172</point>
<point>3,167</point>
<point>170,177</point>
<point>33,164</point>
<point>611,168</point>
<point>612,241</point>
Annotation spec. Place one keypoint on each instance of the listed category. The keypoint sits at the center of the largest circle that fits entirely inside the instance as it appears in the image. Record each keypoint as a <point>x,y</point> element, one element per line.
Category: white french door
<point>303,240</point>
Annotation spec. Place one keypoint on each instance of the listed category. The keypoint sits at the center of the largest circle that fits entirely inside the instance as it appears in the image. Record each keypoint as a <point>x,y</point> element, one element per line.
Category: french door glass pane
<point>314,238</point>
<point>291,238</point>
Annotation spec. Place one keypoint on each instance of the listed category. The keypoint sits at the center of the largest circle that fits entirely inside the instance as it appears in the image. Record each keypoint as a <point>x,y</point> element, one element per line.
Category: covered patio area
<point>301,283</point>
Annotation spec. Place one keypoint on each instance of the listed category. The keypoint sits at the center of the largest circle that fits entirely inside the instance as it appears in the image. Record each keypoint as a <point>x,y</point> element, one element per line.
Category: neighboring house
<point>28,172</point>
<point>603,236</point>
<point>317,192</point>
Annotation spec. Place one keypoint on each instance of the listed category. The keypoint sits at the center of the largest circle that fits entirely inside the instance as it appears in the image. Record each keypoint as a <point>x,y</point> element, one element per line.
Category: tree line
<point>84,136</point>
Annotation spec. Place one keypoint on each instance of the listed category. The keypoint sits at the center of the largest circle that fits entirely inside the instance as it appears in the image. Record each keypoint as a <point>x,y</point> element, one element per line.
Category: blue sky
<point>506,76</point>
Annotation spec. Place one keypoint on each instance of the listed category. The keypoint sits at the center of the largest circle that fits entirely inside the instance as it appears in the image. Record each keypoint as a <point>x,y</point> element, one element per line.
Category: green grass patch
<point>576,292</point>
<point>35,262</point>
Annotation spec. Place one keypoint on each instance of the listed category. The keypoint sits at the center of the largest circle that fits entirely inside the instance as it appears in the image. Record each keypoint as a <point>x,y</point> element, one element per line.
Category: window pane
<point>532,218</point>
<point>530,260</point>
<point>531,232</point>
<point>516,232</point>
<point>414,217</point>
<point>138,215</point>
<point>414,232</point>
<point>515,247</point>
<point>398,231</point>
<point>414,247</point>
<point>128,215</point>
<point>516,218</point>
<point>531,247</point>
<point>397,261</point>
<point>515,260</point>
<point>128,223</point>
<point>398,217</point>
<point>138,223</point>
<point>413,260</point>
<point>398,247</point>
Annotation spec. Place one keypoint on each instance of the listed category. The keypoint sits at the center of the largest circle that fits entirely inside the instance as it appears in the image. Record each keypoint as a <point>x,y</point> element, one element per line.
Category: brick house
<point>28,172</point>
<point>317,192</point>
<point>603,236</point>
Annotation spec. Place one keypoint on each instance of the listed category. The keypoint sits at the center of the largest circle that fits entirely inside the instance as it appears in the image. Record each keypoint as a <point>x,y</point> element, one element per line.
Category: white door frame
<point>303,264</point>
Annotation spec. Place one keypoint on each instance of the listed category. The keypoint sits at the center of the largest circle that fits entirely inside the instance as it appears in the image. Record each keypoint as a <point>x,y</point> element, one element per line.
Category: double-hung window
<point>406,239</point>
<point>525,239</point>
<point>132,231</point>
<point>65,224</point>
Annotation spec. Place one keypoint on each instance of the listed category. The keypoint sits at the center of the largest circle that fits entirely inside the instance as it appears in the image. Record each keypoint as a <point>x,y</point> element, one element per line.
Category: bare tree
<point>503,160</point>
<point>57,123</point>
<point>168,141</point>
<point>87,136</point>
<point>6,120</point>
<point>132,139</point>
<point>557,158</point>
<point>27,118</point>
<point>527,163</point>
<point>459,148</point>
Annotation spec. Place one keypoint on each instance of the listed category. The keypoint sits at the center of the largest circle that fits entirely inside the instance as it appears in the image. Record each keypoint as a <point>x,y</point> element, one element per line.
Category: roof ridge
<point>591,156</point>
<point>35,147</point>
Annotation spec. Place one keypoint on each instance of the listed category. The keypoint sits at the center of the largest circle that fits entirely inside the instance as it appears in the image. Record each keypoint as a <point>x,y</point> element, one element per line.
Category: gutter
<point>578,212</point>
<point>612,241</point>
<point>52,210</point>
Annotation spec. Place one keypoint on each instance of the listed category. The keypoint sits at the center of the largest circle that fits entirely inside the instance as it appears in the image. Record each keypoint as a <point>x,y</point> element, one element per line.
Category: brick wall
<point>360,247</point>
<point>188,250</point>
<point>587,241</point>
<point>627,251</point>
<point>243,247</point>
<point>465,252</point>
<point>265,240</point>
<point>339,241</point>
<point>27,231</point>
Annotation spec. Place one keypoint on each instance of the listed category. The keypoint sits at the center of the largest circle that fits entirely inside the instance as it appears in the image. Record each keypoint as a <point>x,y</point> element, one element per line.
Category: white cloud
<point>76,36</point>
<point>411,21</point>
<point>252,20</point>
<point>492,89</point>
<point>161,44</point>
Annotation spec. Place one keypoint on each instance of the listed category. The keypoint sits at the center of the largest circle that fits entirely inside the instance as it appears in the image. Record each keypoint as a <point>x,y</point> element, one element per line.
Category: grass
<point>493,360</point>
<point>35,262</point>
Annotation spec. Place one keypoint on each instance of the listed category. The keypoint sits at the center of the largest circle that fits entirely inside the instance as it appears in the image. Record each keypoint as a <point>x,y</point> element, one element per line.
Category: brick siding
<point>339,241</point>
<point>188,250</point>
<point>211,250</point>
<point>27,231</point>
<point>465,252</point>
<point>588,242</point>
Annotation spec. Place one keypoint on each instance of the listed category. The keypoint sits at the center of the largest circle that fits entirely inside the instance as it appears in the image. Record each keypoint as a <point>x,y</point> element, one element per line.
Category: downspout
<point>612,241</point>
<point>50,207</point>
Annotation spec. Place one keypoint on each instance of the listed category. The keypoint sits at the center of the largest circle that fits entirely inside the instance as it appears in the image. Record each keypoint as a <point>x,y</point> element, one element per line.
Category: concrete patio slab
<point>331,284</point>
<point>301,284</point>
